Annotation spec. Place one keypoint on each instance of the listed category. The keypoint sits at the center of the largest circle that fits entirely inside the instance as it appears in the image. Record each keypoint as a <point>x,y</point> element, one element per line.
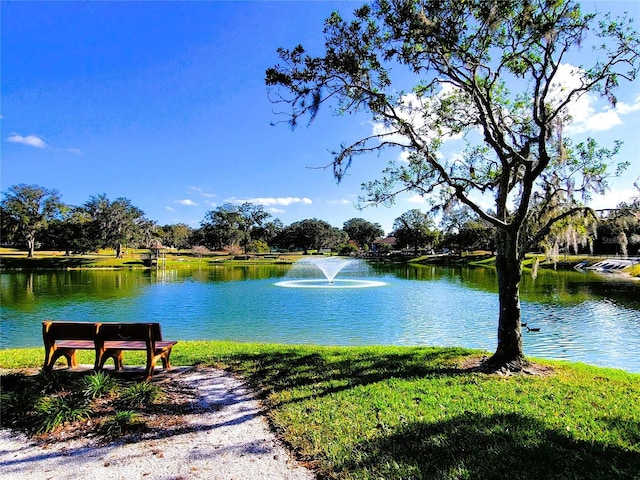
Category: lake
<point>587,317</point>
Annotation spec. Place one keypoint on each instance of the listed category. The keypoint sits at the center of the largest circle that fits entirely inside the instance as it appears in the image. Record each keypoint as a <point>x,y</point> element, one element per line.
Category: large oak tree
<point>29,209</point>
<point>362,231</point>
<point>232,224</point>
<point>490,72</point>
<point>415,229</point>
<point>115,223</point>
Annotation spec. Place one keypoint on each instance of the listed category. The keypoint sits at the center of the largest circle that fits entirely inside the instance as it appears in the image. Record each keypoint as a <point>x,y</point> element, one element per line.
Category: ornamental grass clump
<point>121,423</point>
<point>52,411</point>
<point>99,385</point>
<point>16,402</point>
<point>138,395</point>
<point>43,403</point>
<point>52,381</point>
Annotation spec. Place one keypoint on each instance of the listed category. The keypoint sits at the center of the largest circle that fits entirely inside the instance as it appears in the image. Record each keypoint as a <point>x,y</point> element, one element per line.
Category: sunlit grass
<point>634,271</point>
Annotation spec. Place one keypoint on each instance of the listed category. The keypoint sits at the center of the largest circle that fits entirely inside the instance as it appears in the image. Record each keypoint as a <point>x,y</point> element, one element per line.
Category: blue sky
<point>164,103</point>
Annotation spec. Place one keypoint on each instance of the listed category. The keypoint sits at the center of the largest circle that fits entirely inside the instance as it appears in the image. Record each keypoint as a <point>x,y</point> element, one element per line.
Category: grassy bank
<point>486,259</point>
<point>12,259</point>
<point>404,412</point>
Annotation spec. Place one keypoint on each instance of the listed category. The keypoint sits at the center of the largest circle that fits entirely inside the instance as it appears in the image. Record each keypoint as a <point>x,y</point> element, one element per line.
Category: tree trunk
<point>31,246</point>
<point>509,353</point>
<point>119,250</point>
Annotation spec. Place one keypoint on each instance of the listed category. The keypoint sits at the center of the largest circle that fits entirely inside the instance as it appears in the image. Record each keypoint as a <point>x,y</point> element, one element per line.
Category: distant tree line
<point>33,216</point>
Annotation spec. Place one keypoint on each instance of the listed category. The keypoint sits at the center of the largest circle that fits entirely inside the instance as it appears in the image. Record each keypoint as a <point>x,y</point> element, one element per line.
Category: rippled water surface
<point>584,317</point>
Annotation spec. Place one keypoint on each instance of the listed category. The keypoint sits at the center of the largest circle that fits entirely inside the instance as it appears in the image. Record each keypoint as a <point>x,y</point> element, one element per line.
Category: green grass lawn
<point>417,413</point>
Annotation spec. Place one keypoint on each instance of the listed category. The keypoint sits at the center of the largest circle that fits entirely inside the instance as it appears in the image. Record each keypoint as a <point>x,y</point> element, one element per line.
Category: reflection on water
<point>581,316</point>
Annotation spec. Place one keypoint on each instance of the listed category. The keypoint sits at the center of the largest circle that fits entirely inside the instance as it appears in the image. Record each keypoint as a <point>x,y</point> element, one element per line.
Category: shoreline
<point>13,261</point>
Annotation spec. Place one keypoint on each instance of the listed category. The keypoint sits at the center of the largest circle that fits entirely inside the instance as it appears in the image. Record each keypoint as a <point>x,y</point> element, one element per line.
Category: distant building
<point>383,244</point>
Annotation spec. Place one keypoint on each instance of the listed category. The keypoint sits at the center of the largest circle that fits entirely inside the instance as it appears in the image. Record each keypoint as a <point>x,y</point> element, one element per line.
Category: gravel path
<point>228,440</point>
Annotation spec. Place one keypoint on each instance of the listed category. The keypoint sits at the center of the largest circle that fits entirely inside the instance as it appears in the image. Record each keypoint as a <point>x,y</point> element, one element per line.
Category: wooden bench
<point>108,340</point>
<point>63,339</point>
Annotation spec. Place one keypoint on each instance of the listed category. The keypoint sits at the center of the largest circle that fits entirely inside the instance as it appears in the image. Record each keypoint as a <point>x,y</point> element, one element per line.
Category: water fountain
<point>322,272</point>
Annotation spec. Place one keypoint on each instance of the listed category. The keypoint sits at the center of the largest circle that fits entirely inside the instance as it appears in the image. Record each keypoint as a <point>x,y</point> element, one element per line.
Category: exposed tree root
<point>492,367</point>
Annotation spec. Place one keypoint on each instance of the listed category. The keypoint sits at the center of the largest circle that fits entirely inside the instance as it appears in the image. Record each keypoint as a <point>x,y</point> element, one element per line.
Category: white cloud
<point>625,108</point>
<point>588,112</point>
<point>584,115</point>
<point>187,202</point>
<point>201,192</point>
<point>31,140</point>
<point>271,201</point>
<point>403,156</point>
<point>598,122</point>
<point>416,199</point>
<point>37,142</point>
<point>342,201</point>
<point>168,208</point>
<point>413,109</point>
<point>276,210</point>
<point>613,198</point>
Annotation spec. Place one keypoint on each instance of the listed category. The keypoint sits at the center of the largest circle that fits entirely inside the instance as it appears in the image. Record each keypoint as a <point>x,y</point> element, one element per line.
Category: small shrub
<point>200,251</point>
<point>233,249</point>
<point>258,246</point>
<point>99,384</point>
<point>18,395</point>
<point>11,408</point>
<point>122,422</point>
<point>54,410</point>
<point>348,249</point>
<point>52,381</point>
<point>139,395</point>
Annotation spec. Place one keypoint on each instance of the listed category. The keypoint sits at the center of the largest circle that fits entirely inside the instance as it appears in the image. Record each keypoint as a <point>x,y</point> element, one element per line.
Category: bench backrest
<point>52,331</point>
<point>127,331</point>
<point>61,330</point>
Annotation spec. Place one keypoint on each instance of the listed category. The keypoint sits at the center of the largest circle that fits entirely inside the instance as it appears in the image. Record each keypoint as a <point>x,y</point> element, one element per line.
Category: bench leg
<point>151,365</point>
<point>166,364</point>
<point>51,356</point>
<point>106,355</point>
<point>48,355</point>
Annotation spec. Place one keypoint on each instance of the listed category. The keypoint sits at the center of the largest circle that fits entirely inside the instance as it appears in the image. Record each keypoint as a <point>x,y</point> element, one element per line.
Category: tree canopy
<point>29,209</point>
<point>177,235</point>
<point>310,234</point>
<point>462,230</point>
<point>115,223</point>
<point>494,74</point>
<point>362,231</point>
<point>415,229</point>
<point>232,224</point>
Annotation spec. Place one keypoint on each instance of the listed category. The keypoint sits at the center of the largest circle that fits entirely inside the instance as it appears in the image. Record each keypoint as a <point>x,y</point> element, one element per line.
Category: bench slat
<point>78,344</point>
<point>135,345</point>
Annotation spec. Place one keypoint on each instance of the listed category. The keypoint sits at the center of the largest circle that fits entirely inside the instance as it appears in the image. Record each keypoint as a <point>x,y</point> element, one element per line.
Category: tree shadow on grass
<point>499,446</point>
<point>45,263</point>
<point>331,371</point>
